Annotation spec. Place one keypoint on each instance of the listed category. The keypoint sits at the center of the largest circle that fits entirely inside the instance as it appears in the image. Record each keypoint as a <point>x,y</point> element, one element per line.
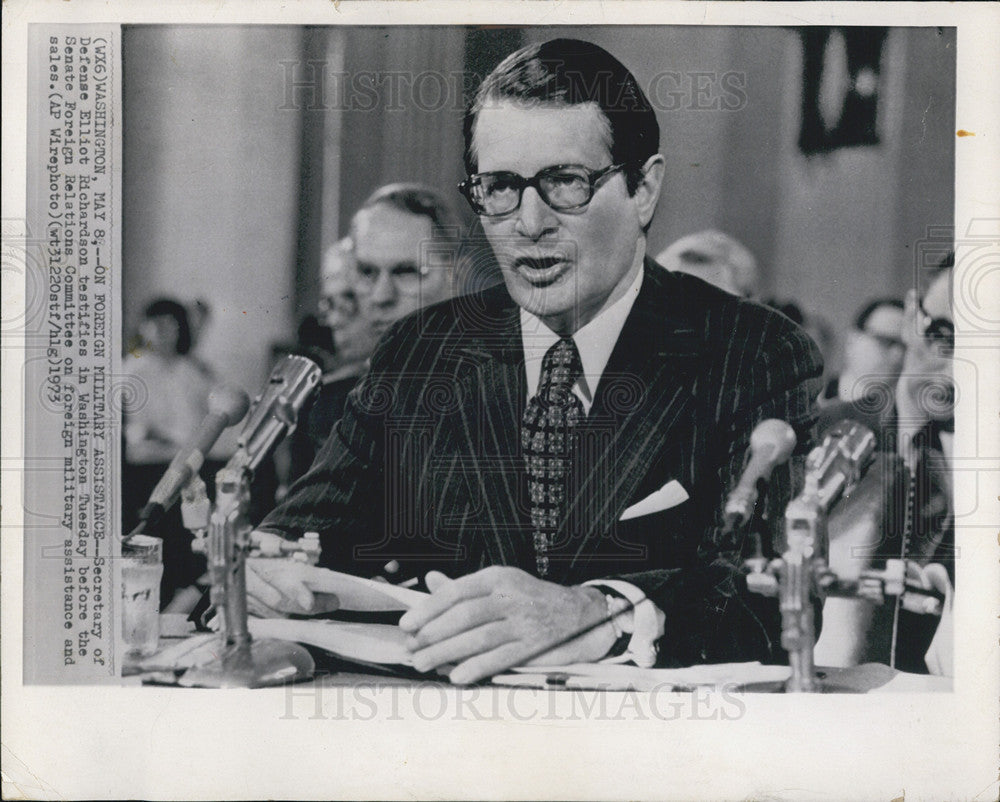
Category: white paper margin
<point>168,743</point>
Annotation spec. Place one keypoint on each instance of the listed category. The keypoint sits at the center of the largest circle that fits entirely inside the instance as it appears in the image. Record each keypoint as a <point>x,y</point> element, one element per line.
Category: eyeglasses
<point>406,276</point>
<point>939,331</point>
<point>344,304</point>
<point>564,187</point>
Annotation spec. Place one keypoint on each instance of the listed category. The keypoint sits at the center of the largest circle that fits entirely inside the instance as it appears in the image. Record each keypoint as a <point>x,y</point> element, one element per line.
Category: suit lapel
<point>639,406</point>
<point>492,374</point>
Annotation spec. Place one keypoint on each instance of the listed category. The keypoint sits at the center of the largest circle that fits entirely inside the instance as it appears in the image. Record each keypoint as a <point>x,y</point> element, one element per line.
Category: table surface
<point>866,678</point>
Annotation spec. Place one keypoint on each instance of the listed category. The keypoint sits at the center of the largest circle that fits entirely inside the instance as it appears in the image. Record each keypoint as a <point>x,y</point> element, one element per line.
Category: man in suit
<point>558,448</point>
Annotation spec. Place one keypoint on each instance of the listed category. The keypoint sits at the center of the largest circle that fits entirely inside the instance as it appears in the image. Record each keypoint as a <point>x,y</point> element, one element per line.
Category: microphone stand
<point>802,573</point>
<point>225,536</point>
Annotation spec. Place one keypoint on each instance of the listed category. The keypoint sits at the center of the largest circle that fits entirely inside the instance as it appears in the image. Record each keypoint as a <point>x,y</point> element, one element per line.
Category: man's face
<point>878,349</point>
<point>352,332</point>
<point>392,280</point>
<point>937,299</point>
<point>928,367</point>
<point>564,267</point>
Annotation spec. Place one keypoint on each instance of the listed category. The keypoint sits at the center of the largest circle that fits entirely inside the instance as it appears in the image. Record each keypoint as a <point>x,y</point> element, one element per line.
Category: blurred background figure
<point>351,339</point>
<point>904,508</point>
<point>392,234</point>
<point>873,354</point>
<point>716,258</point>
<point>172,392</point>
<point>399,257</point>
<point>922,526</point>
<point>925,393</point>
<point>865,387</point>
<point>167,402</point>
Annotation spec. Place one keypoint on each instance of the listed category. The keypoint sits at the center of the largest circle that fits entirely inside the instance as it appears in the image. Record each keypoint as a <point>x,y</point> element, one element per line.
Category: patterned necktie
<point>547,438</point>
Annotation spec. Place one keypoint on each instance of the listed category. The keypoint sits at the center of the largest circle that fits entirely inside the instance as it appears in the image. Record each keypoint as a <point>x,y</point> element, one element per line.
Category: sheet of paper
<point>357,593</point>
<point>353,592</point>
<point>370,643</point>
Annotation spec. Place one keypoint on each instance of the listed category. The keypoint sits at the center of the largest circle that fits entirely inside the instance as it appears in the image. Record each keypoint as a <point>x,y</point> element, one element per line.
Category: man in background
<point>382,271</point>
<point>343,358</point>
<point>716,258</point>
<point>904,508</point>
<point>405,240</point>
<point>922,527</point>
<point>873,354</point>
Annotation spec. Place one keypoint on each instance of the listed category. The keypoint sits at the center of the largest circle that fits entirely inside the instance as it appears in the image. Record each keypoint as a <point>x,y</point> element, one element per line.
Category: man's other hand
<point>501,617</point>
<point>277,587</point>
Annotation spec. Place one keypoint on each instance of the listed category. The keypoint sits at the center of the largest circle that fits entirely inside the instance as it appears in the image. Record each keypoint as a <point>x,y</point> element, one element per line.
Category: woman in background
<point>167,402</point>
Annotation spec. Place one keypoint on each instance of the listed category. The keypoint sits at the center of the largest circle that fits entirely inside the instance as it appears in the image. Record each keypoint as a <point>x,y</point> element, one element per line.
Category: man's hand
<point>501,617</point>
<point>278,587</point>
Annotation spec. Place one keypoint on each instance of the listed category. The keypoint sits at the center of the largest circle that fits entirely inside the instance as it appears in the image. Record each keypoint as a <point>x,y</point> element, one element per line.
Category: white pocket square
<point>670,495</point>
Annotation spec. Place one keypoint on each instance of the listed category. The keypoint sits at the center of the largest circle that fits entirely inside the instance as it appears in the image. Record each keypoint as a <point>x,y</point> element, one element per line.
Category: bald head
<point>716,258</point>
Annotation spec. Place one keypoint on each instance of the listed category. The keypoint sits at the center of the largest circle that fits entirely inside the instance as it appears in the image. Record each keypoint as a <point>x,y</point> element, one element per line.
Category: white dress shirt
<point>595,342</point>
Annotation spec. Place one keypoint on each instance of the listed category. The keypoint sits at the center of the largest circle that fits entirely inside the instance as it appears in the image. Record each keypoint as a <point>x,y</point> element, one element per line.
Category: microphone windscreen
<point>228,402</point>
<point>774,440</point>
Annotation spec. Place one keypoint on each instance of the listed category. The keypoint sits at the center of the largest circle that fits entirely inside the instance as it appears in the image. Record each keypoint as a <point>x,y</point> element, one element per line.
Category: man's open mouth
<point>541,271</point>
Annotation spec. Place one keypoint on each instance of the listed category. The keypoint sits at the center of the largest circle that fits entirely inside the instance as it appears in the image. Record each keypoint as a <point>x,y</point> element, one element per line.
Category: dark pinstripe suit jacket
<point>425,466</point>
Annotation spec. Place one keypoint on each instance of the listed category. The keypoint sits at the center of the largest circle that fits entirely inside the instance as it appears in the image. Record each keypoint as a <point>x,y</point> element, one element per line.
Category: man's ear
<point>647,193</point>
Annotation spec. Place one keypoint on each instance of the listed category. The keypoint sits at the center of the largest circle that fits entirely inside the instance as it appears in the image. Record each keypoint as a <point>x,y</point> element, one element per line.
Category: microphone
<point>226,407</point>
<point>275,412</point>
<point>274,416</point>
<point>836,466</point>
<point>771,444</point>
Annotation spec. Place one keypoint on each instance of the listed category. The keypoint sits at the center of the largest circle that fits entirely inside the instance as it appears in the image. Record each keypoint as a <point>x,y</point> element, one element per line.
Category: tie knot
<point>561,367</point>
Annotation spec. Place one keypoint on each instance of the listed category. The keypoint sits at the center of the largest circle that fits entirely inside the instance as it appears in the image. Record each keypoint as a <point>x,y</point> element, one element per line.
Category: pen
<point>564,682</point>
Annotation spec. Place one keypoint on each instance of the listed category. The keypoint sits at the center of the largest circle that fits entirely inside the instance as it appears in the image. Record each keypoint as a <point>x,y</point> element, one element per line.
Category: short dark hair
<point>946,263</point>
<point>869,309</point>
<point>420,200</point>
<point>571,72</point>
<point>167,307</point>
